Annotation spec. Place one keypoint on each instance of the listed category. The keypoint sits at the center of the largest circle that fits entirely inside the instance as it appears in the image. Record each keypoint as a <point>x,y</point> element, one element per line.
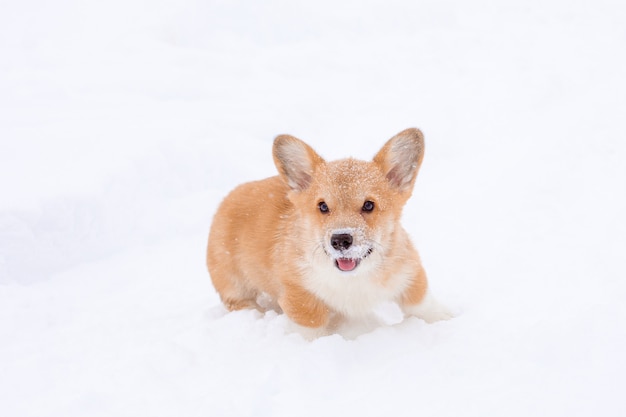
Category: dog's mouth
<point>350,264</point>
<point>347,264</point>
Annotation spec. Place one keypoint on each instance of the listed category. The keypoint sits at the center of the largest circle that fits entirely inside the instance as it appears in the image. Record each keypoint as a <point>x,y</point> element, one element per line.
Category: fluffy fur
<point>323,240</point>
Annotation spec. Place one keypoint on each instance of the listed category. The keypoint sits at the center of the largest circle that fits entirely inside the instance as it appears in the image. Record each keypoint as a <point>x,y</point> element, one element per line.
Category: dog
<point>322,241</point>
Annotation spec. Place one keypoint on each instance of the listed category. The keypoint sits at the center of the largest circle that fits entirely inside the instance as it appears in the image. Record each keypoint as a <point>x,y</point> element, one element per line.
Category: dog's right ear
<point>296,161</point>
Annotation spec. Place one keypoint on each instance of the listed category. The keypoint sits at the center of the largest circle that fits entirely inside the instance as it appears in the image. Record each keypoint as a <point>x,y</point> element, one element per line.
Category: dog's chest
<point>355,294</point>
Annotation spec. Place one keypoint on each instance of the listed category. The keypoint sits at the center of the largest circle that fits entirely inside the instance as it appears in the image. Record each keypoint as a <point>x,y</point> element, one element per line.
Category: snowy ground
<point>123,124</point>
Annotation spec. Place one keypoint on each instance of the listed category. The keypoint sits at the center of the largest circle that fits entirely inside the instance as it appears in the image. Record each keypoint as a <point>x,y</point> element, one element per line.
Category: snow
<point>124,124</point>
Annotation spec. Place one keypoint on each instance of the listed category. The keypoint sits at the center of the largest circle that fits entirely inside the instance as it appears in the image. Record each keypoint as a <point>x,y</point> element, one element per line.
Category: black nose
<point>341,241</point>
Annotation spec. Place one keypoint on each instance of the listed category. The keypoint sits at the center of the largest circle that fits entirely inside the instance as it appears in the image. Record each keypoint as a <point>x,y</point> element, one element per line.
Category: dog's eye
<point>368,206</point>
<point>323,207</point>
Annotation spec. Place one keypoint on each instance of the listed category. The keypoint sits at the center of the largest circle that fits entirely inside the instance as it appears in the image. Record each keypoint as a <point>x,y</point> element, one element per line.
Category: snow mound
<point>122,125</point>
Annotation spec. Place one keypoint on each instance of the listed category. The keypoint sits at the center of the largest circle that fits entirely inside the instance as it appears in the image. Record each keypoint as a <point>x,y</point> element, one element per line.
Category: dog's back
<point>244,232</point>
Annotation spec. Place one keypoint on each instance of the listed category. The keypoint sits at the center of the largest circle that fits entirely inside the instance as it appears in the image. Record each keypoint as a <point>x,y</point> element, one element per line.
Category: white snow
<point>124,124</point>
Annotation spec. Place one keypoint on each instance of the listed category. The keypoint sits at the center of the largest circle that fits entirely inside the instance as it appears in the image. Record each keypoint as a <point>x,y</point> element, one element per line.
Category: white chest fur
<point>355,293</point>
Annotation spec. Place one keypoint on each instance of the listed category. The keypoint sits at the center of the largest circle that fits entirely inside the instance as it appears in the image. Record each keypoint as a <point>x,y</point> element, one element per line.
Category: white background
<point>124,123</point>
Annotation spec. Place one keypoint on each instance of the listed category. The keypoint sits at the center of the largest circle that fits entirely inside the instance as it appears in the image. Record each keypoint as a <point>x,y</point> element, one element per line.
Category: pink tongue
<point>346,264</point>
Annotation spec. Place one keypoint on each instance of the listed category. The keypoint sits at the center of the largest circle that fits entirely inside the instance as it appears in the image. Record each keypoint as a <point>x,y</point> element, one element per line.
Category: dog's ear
<point>401,157</point>
<point>296,161</point>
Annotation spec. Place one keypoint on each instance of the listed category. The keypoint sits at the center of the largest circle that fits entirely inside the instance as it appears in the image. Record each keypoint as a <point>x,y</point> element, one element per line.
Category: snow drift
<point>124,124</point>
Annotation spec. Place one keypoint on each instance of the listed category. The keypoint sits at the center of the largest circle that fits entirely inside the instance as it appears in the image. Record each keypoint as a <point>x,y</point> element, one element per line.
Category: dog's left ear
<point>401,157</point>
<point>296,161</point>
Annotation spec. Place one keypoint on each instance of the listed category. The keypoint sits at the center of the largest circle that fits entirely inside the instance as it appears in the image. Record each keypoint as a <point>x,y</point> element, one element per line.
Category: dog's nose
<point>341,241</point>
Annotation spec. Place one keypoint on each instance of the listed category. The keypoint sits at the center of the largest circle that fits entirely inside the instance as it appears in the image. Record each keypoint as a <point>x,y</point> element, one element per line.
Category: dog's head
<point>348,210</point>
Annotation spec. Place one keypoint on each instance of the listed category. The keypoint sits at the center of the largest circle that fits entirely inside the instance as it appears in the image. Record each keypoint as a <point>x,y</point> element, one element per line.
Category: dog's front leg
<point>310,314</point>
<point>418,301</point>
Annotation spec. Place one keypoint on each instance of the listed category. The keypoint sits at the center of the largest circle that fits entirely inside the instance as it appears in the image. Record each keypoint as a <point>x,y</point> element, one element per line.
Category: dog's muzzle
<point>347,256</point>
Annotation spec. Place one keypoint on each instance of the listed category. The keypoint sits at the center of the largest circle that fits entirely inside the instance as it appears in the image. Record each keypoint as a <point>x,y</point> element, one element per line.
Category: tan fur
<point>270,237</point>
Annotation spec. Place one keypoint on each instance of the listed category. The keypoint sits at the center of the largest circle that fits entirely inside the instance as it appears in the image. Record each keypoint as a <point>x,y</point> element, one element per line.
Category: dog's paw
<point>442,313</point>
<point>308,333</point>
<point>429,309</point>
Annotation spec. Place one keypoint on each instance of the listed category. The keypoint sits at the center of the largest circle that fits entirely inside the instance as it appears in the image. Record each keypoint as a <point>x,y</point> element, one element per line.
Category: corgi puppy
<point>323,240</point>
